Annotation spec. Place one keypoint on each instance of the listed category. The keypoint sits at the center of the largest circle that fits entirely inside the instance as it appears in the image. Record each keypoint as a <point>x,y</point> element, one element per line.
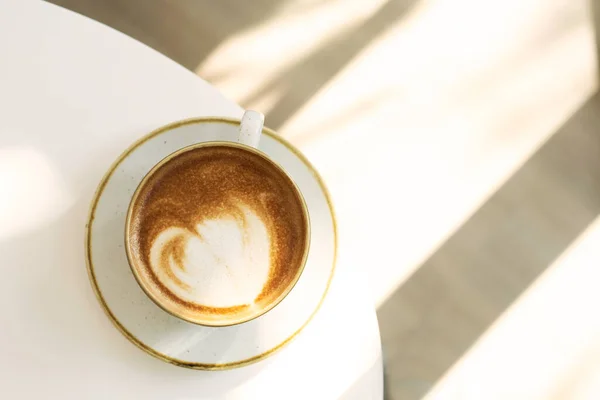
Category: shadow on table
<point>189,31</point>
<point>432,320</point>
<point>453,298</point>
<point>300,82</point>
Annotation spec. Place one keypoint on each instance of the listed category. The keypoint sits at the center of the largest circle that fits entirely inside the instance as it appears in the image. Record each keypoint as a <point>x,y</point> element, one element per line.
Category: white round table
<point>73,95</point>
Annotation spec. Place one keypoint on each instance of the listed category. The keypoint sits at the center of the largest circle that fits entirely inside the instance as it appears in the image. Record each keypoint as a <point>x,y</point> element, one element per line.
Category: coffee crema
<point>217,230</point>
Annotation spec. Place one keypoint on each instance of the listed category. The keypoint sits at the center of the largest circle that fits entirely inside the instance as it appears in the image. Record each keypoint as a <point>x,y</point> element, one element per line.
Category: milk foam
<point>224,263</point>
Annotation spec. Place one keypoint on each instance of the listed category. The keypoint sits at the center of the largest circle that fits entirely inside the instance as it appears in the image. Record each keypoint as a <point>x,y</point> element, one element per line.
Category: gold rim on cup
<point>152,295</point>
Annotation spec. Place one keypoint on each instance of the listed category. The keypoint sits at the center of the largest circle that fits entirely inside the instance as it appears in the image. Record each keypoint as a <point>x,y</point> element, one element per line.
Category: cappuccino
<point>217,232</point>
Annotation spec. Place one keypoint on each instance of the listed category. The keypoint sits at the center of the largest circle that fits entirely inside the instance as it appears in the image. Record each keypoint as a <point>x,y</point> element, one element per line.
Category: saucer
<point>164,336</point>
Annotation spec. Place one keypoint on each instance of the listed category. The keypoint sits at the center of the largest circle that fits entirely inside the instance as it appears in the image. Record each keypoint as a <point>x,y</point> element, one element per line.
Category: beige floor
<point>460,141</point>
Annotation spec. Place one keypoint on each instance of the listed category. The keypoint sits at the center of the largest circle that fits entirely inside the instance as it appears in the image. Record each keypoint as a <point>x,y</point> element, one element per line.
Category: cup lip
<point>151,294</point>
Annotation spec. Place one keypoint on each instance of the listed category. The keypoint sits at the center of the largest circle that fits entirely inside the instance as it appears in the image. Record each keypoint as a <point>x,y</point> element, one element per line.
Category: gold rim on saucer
<point>98,292</point>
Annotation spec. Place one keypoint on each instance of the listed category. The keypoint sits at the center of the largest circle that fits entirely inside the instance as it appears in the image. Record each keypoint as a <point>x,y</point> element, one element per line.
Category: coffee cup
<point>217,233</point>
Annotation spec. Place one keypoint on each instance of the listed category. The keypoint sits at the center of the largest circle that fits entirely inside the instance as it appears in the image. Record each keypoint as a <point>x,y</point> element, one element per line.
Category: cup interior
<point>167,248</point>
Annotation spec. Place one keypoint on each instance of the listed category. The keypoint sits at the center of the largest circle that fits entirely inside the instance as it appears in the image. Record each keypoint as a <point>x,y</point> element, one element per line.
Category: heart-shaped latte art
<point>217,230</point>
<point>223,263</point>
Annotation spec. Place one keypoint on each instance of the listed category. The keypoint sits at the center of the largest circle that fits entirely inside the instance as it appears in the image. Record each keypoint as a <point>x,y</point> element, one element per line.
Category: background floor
<point>460,140</point>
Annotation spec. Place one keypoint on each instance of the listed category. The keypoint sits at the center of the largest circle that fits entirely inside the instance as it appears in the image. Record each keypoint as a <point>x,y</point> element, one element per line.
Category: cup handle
<point>251,127</point>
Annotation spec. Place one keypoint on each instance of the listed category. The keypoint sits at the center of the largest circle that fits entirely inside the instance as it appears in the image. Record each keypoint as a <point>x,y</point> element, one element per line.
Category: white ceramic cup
<point>221,267</point>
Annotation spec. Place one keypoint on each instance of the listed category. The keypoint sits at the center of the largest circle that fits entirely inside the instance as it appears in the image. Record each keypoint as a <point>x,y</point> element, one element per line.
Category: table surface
<point>74,94</point>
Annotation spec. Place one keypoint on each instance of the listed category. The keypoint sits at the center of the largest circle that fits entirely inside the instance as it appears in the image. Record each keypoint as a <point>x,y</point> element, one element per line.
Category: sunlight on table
<point>547,345</point>
<point>34,193</point>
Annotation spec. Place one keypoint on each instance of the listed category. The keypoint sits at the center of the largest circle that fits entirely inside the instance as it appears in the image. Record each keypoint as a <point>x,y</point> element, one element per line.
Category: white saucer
<point>159,333</point>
